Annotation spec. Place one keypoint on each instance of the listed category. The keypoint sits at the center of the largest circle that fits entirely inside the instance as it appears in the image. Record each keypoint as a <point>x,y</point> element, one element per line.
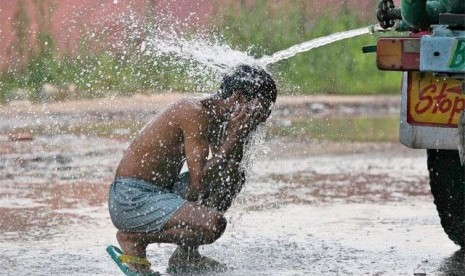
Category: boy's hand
<point>243,120</point>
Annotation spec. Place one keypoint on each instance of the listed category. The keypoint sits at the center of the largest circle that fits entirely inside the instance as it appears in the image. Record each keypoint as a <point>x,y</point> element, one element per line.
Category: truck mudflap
<point>430,111</point>
<point>461,137</point>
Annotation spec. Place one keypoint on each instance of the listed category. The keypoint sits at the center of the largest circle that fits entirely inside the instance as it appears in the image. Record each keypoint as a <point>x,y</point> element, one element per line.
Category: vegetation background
<point>260,27</point>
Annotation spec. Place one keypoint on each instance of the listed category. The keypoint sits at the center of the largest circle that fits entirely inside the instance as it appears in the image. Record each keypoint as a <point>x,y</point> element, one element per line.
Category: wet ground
<point>311,207</point>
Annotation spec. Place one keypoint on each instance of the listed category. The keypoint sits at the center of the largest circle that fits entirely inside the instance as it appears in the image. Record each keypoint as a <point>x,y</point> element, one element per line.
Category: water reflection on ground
<point>339,214</point>
<point>311,208</point>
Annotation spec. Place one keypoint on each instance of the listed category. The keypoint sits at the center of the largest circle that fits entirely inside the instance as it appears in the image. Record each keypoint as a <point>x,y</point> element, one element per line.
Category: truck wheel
<point>447,180</point>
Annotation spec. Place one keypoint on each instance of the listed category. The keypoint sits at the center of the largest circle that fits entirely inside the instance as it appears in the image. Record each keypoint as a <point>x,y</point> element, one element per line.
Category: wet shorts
<point>136,205</point>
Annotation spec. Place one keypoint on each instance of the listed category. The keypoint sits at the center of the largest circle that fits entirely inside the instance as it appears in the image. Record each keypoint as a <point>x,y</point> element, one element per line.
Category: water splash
<point>203,56</point>
<point>311,44</point>
<point>211,52</point>
<point>255,145</point>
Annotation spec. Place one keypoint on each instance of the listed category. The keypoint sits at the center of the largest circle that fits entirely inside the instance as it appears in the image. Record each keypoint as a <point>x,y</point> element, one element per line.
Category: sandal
<point>121,260</point>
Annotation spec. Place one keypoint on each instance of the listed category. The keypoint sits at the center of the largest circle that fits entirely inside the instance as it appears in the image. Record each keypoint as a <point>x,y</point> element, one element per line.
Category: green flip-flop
<point>121,260</point>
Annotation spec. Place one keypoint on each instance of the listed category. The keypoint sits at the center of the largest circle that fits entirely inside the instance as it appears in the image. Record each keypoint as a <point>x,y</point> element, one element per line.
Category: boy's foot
<point>134,252</point>
<point>192,262</point>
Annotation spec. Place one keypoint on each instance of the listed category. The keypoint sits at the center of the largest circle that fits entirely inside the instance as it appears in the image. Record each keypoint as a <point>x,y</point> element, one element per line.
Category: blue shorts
<point>137,205</point>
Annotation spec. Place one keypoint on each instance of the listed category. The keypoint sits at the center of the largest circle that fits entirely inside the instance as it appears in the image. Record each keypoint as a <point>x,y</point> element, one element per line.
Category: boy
<point>150,202</point>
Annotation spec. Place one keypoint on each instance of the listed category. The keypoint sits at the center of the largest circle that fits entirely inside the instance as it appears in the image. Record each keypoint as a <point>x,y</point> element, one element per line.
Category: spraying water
<point>311,44</point>
<point>218,56</point>
<point>206,58</point>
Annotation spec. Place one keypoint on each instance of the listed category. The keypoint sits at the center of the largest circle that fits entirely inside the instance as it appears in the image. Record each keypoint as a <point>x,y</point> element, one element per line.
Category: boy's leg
<point>192,225</point>
<point>226,184</point>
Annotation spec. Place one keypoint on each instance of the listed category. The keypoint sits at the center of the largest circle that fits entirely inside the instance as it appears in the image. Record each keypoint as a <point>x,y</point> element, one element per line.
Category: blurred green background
<point>260,27</point>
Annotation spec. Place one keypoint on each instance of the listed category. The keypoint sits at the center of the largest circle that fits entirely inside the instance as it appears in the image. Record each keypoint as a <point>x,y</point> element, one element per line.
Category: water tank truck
<point>430,53</point>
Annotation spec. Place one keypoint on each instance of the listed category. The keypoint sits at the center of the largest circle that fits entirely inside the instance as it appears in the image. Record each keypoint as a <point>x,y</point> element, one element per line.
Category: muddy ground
<point>310,207</point>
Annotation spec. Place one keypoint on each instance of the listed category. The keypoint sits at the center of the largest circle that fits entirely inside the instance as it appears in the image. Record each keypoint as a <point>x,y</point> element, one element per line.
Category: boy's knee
<point>233,167</point>
<point>221,225</point>
<point>217,228</point>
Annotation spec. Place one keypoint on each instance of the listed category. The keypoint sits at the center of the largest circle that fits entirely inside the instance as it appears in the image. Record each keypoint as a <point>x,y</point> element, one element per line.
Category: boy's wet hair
<point>252,81</point>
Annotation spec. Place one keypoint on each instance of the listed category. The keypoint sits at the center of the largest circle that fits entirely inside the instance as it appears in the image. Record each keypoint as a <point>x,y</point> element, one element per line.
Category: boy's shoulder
<point>186,105</point>
<point>189,110</point>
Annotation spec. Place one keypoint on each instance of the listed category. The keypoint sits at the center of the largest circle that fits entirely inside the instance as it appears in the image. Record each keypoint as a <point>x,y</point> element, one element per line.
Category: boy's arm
<point>202,169</point>
<point>196,150</point>
<point>196,147</point>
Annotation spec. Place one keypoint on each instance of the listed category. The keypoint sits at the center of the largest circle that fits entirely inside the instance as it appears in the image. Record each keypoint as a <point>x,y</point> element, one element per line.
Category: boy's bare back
<point>157,153</point>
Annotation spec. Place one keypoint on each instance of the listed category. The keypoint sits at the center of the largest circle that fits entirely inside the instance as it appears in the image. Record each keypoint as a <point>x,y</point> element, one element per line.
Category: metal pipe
<point>420,14</point>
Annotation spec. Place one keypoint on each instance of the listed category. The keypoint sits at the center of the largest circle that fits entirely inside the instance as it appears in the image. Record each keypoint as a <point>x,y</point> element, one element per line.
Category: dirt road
<point>311,207</point>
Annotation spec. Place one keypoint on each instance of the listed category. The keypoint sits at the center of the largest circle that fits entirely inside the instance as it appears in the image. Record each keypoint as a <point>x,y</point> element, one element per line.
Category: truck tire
<point>447,180</point>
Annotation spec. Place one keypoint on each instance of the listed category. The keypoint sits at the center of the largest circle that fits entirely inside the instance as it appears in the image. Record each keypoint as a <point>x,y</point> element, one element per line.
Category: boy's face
<point>261,109</point>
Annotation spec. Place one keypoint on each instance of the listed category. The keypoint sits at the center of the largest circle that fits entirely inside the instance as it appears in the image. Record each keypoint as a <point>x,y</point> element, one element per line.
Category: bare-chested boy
<point>151,202</point>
